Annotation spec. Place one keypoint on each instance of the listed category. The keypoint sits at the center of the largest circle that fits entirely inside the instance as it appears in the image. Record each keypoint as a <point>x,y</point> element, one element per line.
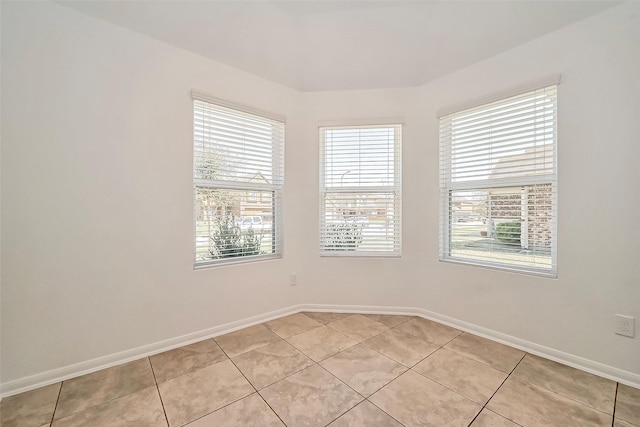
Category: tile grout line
<point>55,408</point>
<point>495,392</point>
<point>615,401</point>
<point>250,383</point>
<point>155,379</point>
<point>484,363</point>
<point>382,410</point>
<point>358,342</point>
<point>557,393</point>
<point>348,386</point>
<point>230,403</point>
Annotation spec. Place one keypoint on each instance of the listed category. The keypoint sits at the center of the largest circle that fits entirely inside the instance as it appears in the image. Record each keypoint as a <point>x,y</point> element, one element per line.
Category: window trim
<point>277,188</point>
<point>447,186</point>
<point>396,189</point>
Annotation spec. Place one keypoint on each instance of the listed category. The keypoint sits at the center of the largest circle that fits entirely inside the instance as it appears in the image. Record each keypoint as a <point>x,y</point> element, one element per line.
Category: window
<point>498,183</point>
<point>360,190</point>
<point>237,182</point>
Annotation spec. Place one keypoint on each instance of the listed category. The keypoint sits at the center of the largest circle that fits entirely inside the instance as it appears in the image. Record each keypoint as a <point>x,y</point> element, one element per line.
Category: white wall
<point>96,195</point>
<point>599,201</point>
<point>97,192</point>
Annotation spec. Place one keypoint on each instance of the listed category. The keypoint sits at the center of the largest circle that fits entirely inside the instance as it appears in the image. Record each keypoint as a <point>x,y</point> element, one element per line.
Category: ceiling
<point>338,45</point>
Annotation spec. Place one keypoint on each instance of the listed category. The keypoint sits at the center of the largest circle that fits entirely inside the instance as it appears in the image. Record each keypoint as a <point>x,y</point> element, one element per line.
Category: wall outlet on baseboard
<point>625,325</point>
<point>293,279</point>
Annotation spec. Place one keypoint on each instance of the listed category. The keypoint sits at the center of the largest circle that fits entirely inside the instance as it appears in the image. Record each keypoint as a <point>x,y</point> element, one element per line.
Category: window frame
<point>447,185</point>
<point>395,189</point>
<point>276,188</point>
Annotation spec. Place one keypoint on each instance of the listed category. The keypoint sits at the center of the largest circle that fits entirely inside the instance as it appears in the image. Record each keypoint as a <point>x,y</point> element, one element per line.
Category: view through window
<point>360,190</point>
<point>498,183</point>
<point>237,183</point>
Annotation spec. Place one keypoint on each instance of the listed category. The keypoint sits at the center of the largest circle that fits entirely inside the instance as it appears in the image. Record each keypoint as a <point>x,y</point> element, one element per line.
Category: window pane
<point>359,157</point>
<point>498,183</point>
<point>238,181</point>
<point>232,145</point>
<point>360,190</point>
<point>365,222</point>
<point>510,226</point>
<point>234,223</point>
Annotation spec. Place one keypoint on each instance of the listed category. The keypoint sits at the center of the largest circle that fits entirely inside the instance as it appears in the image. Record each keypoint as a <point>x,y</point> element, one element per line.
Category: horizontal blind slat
<point>238,179</point>
<point>498,183</point>
<point>360,199</point>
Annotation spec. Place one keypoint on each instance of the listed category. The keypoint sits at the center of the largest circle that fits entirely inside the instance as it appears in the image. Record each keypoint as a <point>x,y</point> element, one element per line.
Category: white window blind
<point>237,183</point>
<point>360,190</point>
<point>498,169</point>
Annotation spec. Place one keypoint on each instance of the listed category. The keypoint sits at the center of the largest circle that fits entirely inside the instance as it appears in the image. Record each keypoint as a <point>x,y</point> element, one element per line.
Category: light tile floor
<point>332,369</point>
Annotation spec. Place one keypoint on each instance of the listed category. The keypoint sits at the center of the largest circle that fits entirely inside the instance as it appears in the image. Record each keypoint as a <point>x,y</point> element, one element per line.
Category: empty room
<point>319,213</point>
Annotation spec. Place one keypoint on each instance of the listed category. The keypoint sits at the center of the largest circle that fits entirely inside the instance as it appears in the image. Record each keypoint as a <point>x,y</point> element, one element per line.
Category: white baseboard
<point>53,376</point>
<point>56,375</point>
<point>596,368</point>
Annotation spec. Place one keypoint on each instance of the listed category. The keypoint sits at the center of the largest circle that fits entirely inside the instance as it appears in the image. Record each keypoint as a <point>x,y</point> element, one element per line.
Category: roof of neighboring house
<point>533,161</point>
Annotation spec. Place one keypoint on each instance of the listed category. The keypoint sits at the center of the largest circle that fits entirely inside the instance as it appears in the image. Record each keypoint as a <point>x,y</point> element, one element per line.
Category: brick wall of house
<point>539,210</point>
<point>508,206</point>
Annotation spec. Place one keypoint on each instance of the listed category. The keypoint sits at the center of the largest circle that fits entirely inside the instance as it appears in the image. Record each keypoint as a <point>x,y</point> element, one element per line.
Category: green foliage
<point>343,236</point>
<point>229,240</point>
<point>508,232</point>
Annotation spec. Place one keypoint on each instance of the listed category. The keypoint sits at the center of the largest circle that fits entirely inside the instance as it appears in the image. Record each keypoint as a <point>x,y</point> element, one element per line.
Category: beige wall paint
<point>96,154</point>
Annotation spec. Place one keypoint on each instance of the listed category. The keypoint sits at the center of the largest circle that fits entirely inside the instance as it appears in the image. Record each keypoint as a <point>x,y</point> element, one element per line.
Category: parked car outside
<point>253,221</point>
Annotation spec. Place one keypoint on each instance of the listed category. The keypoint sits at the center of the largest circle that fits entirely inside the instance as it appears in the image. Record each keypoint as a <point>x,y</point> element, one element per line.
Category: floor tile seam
<point>484,363</point>
<point>325,358</point>
<point>378,389</point>
<point>280,336</point>
<point>243,375</point>
<point>392,417</point>
<point>287,376</point>
<point>270,408</point>
<point>495,392</point>
<point>164,411</point>
<point>628,422</point>
<point>341,414</point>
<point>104,403</point>
<point>244,352</point>
<point>614,409</point>
<point>108,400</point>
<point>426,340</point>
<point>268,354</point>
<point>283,378</point>
<point>302,333</point>
<point>183,348</point>
<point>493,412</point>
<point>55,407</point>
<point>191,372</point>
<point>449,388</point>
<point>341,381</point>
<point>218,409</point>
<point>404,321</point>
<point>615,403</point>
<point>389,357</point>
<point>421,360</point>
<point>223,406</point>
<point>359,340</point>
<point>479,362</point>
<point>544,389</point>
<point>294,335</point>
<point>323,368</point>
<point>522,380</point>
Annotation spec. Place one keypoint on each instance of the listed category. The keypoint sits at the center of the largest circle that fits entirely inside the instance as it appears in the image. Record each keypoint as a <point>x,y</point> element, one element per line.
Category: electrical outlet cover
<point>625,325</point>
